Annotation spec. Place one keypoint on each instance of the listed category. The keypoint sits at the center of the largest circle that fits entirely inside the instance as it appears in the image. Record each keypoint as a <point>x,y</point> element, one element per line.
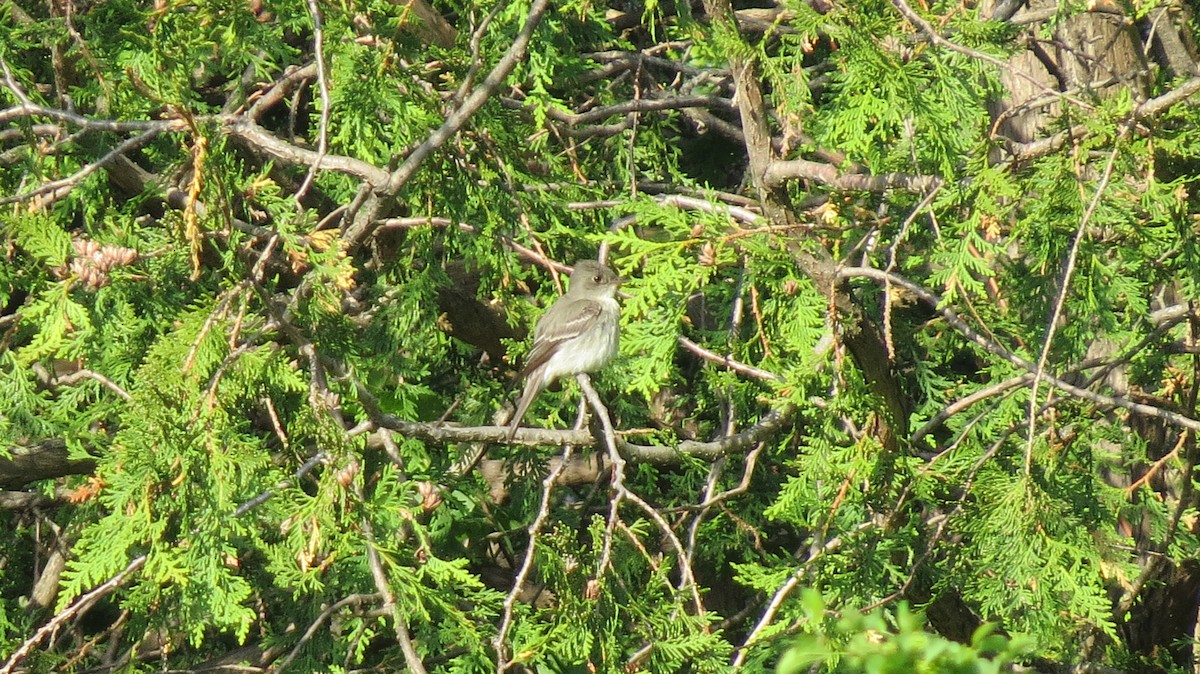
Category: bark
<point>45,460</point>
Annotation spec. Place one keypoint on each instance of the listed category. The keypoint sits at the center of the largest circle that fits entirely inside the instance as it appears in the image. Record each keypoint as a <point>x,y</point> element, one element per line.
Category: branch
<point>633,106</point>
<point>326,103</point>
<point>996,349</point>
<point>80,605</point>
<point>23,500</point>
<point>262,140</point>
<point>280,89</point>
<point>399,620</point>
<point>786,588</point>
<point>963,403</point>
<point>75,377</point>
<point>135,180</point>
<point>535,529</point>
<point>664,455</point>
<point>59,187</point>
<point>352,600</point>
<point>1060,302</point>
<point>430,24</point>
<point>779,171</point>
<point>33,110</point>
<point>687,579</point>
<point>936,38</point>
<point>741,368</point>
<point>43,461</point>
<point>1023,152</point>
<point>1154,106</point>
<point>471,103</point>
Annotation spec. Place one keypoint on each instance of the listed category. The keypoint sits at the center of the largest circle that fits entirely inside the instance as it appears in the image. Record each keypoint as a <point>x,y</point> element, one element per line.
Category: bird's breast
<point>589,351</point>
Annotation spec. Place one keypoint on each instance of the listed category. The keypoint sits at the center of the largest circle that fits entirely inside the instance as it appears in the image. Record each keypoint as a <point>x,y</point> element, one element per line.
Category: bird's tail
<point>533,387</point>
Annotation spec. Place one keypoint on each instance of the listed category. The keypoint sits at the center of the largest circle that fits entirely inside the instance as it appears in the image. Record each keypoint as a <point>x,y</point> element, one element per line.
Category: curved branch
<point>80,605</point>
<point>260,139</point>
<point>280,89</point>
<point>57,188</point>
<point>1023,152</point>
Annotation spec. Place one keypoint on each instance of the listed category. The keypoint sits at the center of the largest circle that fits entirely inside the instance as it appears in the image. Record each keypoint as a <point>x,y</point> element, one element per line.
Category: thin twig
<point>936,38</point>
<point>785,589</point>
<point>279,90</point>
<point>743,485</point>
<point>411,658</point>
<point>476,61</point>
<point>33,110</point>
<point>59,187</point>
<point>687,580</point>
<point>963,403</point>
<point>736,366</point>
<point>354,599</point>
<point>1157,465</point>
<point>80,605</point>
<point>1060,301</point>
<point>70,379</point>
<point>472,102</point>
<point>262,498</point>
<point>891,266</point>
<point>323,87</point>
<point>535,529</point>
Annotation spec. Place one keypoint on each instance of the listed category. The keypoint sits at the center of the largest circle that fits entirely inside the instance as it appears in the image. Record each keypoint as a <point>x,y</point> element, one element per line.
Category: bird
<point>578,333</point>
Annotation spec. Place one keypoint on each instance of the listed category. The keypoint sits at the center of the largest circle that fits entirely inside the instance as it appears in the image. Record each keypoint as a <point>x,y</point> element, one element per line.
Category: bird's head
<point>594,279</point>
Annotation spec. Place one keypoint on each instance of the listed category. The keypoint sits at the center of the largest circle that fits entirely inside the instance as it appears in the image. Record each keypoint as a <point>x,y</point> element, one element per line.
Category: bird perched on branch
<point>578,333</point>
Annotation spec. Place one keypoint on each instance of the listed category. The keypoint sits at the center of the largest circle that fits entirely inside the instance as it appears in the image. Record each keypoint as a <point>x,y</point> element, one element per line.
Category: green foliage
<point>235,375</point>
<point>879,642</point>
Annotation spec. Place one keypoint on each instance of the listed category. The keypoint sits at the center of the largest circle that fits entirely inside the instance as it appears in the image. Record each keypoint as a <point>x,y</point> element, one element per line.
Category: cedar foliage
<point>262,409</point>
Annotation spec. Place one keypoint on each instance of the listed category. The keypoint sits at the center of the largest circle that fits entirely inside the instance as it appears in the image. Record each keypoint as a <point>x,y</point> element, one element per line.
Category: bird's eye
<point>596,278</point>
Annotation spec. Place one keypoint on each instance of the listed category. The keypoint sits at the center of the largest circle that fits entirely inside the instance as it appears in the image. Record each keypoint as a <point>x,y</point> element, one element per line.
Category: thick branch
<point>48,459</point>
<point>260,139</point>
<point>779,171</point>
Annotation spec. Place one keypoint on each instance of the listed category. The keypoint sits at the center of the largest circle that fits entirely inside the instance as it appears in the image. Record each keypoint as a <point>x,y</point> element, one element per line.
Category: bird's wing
<point>551,332</point>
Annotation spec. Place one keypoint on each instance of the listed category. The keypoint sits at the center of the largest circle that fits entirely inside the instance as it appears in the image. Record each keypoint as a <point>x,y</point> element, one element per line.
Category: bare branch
<point>741,368</point>
<point>58,188</point>
<point>535,529</point>
<point>80,605</point>
<point>352,600</point>
<point>472,102</point>
<point>33,110</point>
<point>1024,152</point>
<point>280,89</point>
<point>78,375</point>
<point>779,171</point>
<point>1063,289</point>
<point>687,580</point>
<point>262,140</point>
<point>322,86</point>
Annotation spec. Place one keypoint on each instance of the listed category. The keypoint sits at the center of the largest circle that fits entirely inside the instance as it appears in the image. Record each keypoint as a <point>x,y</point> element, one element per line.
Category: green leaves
<point>247,379</point>
<point>883,642</point>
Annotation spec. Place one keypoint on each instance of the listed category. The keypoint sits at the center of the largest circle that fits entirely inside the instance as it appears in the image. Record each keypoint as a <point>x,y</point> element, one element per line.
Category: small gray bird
<point>578,333</point>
